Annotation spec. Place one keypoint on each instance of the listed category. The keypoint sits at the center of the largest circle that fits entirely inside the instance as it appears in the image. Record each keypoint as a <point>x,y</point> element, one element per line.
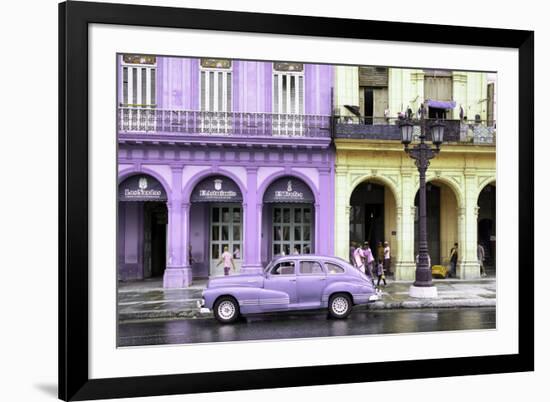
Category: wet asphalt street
<point>304,325</point>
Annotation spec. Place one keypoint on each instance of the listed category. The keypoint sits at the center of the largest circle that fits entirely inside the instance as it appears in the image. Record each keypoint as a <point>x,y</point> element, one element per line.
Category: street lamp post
<point>422,152</point>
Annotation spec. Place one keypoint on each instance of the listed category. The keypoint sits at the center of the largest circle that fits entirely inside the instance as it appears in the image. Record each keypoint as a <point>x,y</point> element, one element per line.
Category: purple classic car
<point>297,282</point>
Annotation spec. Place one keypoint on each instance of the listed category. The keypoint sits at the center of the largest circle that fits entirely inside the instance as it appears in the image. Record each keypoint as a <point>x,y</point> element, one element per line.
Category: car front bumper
<point>200,306</point>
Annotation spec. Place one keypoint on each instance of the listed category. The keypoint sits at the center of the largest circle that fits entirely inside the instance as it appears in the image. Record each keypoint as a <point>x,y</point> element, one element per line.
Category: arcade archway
<point>142,228</point>
<point>288,218</point>
<point>215,224</point>
<point>373,216</point>
<point>442,222</point>
<point>486,226</point>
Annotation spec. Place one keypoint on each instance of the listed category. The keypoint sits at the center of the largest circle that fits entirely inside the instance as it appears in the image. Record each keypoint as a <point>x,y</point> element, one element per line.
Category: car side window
<point>284,268</point>
<point>333,268</point>
<point>311,268</point>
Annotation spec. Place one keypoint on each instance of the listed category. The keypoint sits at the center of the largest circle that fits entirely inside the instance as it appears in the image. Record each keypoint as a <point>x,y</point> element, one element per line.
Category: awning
<point>141,187</point>
<point>216,189</point>
<point>441,104</point>
<point>288,190</point>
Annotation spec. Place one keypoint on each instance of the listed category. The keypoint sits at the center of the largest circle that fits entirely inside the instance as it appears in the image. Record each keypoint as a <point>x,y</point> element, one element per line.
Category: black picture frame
<point>74,18</point>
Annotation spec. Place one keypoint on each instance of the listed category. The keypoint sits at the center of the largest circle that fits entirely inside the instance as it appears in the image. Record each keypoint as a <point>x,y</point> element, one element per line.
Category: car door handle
<point>322,279</point>
<point>292,279</point>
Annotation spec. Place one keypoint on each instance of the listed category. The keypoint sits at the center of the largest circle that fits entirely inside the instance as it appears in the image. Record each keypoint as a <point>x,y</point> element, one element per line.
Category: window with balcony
<point>138,98</point>
<point>138,81</point>
<point>215,85</point>
<point>288,98</point>
<point>438,86</point>
<point>215,95</point>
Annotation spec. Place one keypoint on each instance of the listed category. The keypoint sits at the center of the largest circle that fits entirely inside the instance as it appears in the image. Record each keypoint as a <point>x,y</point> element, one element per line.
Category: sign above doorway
<point>141,187</point>
<point>288,189</point>
<point>216,189</point>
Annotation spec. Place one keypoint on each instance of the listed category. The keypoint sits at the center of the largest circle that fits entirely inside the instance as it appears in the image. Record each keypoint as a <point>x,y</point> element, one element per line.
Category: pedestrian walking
<point>379,251</point>
<point>454,259</point>
<point>380,272</point>
<point>369,261</point>
<point>227,259</point>
<point>359,258</point>
<point>387,258</point>
<point>480,259</point>
<point>352,247</point>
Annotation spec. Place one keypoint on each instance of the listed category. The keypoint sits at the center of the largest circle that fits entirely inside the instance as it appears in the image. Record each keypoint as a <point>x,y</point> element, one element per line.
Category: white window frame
<point>230,242</point>
<point>141,101</point>
<point>217,121</point>
<point>289,122</point>
<point>299,107</point>
<point>227,103</point>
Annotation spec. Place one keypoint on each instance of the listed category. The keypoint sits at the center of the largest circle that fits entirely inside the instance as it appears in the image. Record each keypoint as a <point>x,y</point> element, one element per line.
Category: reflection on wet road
<point>304,325</point>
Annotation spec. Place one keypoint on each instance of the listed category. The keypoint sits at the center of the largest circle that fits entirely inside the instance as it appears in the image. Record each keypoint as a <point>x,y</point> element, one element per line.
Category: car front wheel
<point>340,305</point>
<point>226,310</point>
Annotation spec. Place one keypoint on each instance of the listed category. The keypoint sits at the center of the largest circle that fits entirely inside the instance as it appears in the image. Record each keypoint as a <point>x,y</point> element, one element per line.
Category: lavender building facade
<point>217,153</point>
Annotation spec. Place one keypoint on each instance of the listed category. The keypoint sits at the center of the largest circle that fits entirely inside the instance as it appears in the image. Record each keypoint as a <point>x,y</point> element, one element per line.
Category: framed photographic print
<point>259,200</point>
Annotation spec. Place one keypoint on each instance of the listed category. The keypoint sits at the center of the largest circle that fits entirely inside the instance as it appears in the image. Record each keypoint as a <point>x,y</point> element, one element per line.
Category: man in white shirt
<point>387,256</point>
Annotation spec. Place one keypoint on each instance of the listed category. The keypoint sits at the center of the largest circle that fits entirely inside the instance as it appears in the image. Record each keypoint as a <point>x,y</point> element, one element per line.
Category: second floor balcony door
<point>138,102</point>
<point>215,101</point>
<point>288,103</point>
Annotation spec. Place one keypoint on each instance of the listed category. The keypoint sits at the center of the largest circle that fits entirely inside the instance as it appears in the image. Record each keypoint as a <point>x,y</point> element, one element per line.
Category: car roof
<point>309,256</point>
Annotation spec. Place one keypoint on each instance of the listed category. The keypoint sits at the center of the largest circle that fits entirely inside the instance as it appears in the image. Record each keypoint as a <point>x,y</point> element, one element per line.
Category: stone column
<point>405,265</point>
<point>417,86</point>
<point>252,228</point>
<point>460,94</point>
<point>346,88</point>
<point>342,209</point>
<point>326,214</point>
<point>468,266</point>
<point>178,273</point>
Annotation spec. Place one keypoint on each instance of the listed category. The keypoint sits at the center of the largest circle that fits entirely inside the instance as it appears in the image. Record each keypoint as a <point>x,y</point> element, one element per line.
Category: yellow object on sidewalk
<point>439,271</point>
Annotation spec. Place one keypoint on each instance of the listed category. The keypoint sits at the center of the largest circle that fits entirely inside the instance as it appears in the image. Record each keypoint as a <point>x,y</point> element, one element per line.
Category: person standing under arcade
<point>369,261</point>
<point>227,259</point>
<point>454,259</point>
<point>359,259</point>
<point>387,258</point>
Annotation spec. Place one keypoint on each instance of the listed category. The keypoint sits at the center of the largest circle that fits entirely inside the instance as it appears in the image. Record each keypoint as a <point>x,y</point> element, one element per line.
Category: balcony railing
<point>381,128</point>
<point>202,123</point>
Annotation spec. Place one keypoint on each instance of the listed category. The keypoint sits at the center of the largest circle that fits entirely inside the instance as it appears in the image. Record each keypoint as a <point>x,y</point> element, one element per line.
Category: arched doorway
<point>288,218</point>
<point>486,226</point>
<point>142,228</point>
<point>442,222</point>
<point>373,216</point>
<point>215,222</point>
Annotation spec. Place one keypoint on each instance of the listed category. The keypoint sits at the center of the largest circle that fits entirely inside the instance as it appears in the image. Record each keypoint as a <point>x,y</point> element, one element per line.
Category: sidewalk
<point>147,300</point>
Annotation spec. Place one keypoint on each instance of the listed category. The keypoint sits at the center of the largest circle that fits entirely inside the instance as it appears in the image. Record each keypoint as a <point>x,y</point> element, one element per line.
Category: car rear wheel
<point>226,310</point>
<point>340,305</point>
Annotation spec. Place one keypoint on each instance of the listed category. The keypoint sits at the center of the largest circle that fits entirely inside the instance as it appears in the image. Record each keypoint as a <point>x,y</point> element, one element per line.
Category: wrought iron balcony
<point>381,128</point>
<point>202,123</point>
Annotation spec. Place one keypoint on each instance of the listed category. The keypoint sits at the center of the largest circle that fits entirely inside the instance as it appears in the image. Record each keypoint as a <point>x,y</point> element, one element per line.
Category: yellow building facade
<point>377,182</point>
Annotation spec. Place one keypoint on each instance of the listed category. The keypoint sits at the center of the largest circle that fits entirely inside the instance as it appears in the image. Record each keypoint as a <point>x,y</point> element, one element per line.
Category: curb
<point>416,304</point>
<point>379,305</point>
